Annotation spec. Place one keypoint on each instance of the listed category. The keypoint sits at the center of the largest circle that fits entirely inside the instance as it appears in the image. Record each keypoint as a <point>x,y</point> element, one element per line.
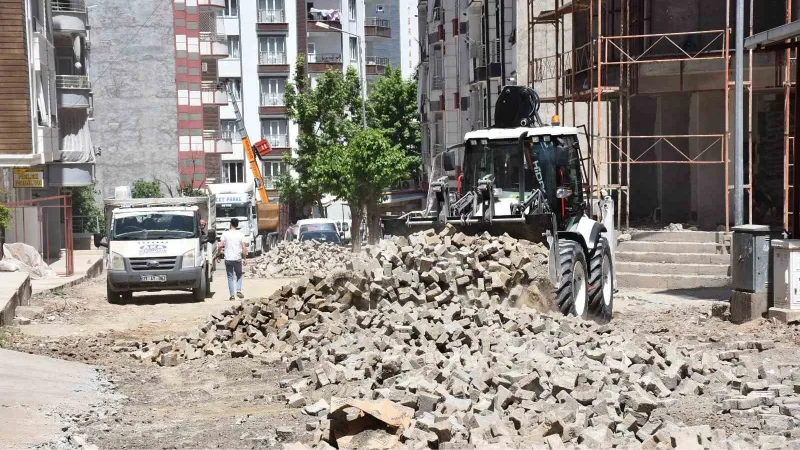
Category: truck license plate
<point>154,278</point>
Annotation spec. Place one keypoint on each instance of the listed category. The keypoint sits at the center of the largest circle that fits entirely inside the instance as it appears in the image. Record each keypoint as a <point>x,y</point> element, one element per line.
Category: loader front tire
<point>572,294</point>
<point>601,283</point>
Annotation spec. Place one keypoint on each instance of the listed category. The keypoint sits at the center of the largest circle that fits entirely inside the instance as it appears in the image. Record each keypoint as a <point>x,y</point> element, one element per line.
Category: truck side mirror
<point>448,160</point>
<point>100,240</point>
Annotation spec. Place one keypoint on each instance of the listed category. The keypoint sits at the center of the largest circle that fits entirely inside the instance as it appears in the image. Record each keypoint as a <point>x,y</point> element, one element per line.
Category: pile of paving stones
<point>426,325</point>
<point>296,258</point>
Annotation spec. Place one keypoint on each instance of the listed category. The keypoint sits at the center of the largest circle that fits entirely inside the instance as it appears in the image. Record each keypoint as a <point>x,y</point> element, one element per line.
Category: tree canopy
<point>392,108</point>
<point>146,189</point>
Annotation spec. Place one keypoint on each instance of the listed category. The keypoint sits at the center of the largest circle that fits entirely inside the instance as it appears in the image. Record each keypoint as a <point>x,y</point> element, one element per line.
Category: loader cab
<point>551,151</point>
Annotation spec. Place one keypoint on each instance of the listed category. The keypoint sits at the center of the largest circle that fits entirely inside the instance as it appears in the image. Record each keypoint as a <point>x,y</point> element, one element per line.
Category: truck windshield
<point>502,159</point>
<point>316,227</point>
<point>321,236</point>
<point>162,225</point>
<point>232,210</point>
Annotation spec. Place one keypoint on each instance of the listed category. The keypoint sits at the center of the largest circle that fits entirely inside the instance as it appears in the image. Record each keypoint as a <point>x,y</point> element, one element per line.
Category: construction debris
<point>424,325</point>
<point>295,258</point>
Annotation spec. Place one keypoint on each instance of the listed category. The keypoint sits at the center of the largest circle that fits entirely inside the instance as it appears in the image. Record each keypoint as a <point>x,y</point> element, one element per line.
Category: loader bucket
<point>268,215</point>
<point>531,228</point>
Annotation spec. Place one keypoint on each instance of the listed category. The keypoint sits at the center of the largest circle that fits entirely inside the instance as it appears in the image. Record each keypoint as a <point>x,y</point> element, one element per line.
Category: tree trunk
<point>322,212</point>
<point>356,211</point>
<point>374,220</point>
<point>2,242</point>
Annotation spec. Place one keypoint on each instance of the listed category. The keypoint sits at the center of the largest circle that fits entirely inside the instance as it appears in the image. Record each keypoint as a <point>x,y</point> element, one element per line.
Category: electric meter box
<point>786,273</point>
<point>750,255</point>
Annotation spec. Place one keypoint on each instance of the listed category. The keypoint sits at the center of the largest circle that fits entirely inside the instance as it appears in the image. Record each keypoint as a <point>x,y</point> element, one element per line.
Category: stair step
<point>712,237</point>
<point>661,281</point>
<point>673,258</point>
<point>671,247</point>
<point>720,270</point>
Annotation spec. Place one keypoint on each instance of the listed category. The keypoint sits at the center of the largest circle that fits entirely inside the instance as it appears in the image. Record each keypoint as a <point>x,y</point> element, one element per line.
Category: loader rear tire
<point>601,283</point>
<point>572,294</point>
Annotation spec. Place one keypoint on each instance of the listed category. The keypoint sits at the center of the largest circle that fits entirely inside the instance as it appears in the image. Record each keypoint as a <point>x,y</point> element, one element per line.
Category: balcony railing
<point>69,5</point>
<point>377,61</point>
<point>271,99</point>
<point>333,15</point>
<point>271,16</point>
<point>271,58</point>
<point>229,135</point>
<point>375,22</point>
<point>438,83</point>
<point>73,82</point>
<point>269,182</point>
<point>328,58</point>
<point>214,37</point>
<point>277,140</point>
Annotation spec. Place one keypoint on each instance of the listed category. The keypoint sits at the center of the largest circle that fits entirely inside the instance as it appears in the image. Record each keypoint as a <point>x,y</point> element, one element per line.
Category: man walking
<point>235,252</point>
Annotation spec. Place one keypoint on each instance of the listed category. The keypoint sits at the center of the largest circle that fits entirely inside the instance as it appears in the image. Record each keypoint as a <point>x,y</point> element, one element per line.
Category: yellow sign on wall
<point>29,177</point>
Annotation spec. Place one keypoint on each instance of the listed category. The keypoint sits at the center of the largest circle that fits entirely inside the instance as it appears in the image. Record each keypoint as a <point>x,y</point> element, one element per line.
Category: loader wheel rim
<point>607,281</point>
<point>579,289</point>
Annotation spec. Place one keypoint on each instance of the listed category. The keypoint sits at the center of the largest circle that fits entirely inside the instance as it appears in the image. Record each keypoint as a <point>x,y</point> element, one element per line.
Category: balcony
<point>277,141</point>
<point>211,4</point>
<point>217,141</point>
<point>322,62</point>
<point>213,96</point>
<point>272,62</point>
<point>271,20</point>
<point>213,45</point>
<point>376,65</point>
<point>374,27</point>
<point>437,83</point>
<point>74,91</point>
<point>69,16</point>
<point>270,182</point>
<point>330,20</point>
<point>272,104</point>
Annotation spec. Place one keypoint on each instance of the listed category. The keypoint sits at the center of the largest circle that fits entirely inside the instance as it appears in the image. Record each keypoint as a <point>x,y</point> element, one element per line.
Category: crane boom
<point>267,213</point>
<point>248,148</point>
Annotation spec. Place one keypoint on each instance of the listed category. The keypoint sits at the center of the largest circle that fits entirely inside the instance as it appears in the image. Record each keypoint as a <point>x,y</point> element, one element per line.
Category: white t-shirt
<point>232,241</point>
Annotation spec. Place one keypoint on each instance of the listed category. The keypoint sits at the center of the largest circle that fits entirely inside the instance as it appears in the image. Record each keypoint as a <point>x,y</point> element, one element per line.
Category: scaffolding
<point>603,72</point>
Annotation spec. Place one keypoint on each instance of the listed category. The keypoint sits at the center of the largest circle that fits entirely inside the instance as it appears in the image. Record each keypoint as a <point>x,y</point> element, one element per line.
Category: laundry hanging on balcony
<point>332,15</point>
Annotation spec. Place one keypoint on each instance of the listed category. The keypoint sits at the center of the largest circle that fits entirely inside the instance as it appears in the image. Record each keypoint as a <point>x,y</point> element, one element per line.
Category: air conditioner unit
<point>407,184</point>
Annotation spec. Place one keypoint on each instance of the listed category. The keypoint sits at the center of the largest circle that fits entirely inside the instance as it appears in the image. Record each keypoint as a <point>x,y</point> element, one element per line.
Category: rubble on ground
<point>295,258</point>
<point>425,325</point>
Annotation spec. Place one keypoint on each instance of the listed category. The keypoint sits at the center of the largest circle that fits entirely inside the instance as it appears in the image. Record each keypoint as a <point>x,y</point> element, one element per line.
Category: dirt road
<point>240,403</point>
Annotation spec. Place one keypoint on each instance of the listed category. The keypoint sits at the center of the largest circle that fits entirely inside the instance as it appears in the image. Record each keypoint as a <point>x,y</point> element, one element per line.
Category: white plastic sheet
<point>27,259</point>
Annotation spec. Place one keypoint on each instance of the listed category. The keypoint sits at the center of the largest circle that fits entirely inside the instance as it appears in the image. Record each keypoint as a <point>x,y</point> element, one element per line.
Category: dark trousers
<point>234,268</point>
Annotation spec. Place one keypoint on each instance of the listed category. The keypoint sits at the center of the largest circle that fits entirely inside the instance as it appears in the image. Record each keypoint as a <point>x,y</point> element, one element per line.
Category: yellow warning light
<point>556,120</point>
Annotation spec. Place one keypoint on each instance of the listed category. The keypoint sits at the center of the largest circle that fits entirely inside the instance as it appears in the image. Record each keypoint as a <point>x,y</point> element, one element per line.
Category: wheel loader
<point>526,179</point>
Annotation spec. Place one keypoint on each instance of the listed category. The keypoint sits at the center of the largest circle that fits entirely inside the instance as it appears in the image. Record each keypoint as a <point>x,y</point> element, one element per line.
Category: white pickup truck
<point>156,244</point>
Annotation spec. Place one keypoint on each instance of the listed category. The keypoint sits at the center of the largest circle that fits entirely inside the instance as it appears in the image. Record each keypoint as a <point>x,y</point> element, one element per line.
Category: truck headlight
<point>117,261</point>
<point>189,259</point>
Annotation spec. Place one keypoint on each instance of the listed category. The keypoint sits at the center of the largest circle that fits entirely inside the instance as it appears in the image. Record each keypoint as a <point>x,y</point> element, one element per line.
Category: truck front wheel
<point>199,293</point>
<point>572,294</point>
<point>601,283</point>
<point>113,297</point>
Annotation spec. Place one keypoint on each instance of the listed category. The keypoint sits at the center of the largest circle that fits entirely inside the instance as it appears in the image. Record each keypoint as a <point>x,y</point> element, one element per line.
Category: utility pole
<point>738,125</point>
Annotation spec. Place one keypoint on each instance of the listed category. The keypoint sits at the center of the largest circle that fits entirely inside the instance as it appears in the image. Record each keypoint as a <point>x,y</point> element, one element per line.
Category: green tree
<point>5,221</point>
<point>359,171</point>
<point>328,115</point>
<point>392,108</point>
<point>146,189</point>
<point>189,191</point>
<point>84,204</point>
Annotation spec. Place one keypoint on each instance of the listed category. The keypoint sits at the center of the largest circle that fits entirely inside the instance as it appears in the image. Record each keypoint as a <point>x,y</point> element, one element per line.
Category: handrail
<point>375,22</point>
<point>73,82</point>
<point>69,5</point>
<point>271,16</point>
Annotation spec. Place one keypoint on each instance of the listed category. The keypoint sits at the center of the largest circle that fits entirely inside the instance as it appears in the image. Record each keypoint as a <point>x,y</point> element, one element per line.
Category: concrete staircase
<point>674,260</point>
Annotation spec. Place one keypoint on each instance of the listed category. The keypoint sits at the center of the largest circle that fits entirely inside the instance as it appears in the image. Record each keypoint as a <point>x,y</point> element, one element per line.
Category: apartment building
<point>46,147</point>
<point>468,54</point>
<point>156,96</point>
<point>391,31</point>
<point>265,38</point>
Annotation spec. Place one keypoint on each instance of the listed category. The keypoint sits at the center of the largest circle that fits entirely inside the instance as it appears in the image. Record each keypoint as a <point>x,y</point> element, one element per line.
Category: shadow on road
<point>710,293</point>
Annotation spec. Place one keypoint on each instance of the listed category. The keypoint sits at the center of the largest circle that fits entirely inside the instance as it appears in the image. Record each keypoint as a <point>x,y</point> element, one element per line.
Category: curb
<point>94,271</point>
<point>21,297</point>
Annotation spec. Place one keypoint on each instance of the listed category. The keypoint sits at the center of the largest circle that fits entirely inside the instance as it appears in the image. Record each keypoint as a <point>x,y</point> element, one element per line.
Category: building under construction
<point>652,82</point>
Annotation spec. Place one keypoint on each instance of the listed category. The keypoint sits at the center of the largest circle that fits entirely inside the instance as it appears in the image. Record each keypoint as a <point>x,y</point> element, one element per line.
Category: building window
<point>271,11</point>
<point>231,8</point>
<point>233,47</point>
<point>272,50</point>
<point>272,91</point>
<point>354,49</point>
<point>275,131</point>
<point>228,129</point>
<point>232,172</point>
<point>271,171</point>
<point>351,5</point>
